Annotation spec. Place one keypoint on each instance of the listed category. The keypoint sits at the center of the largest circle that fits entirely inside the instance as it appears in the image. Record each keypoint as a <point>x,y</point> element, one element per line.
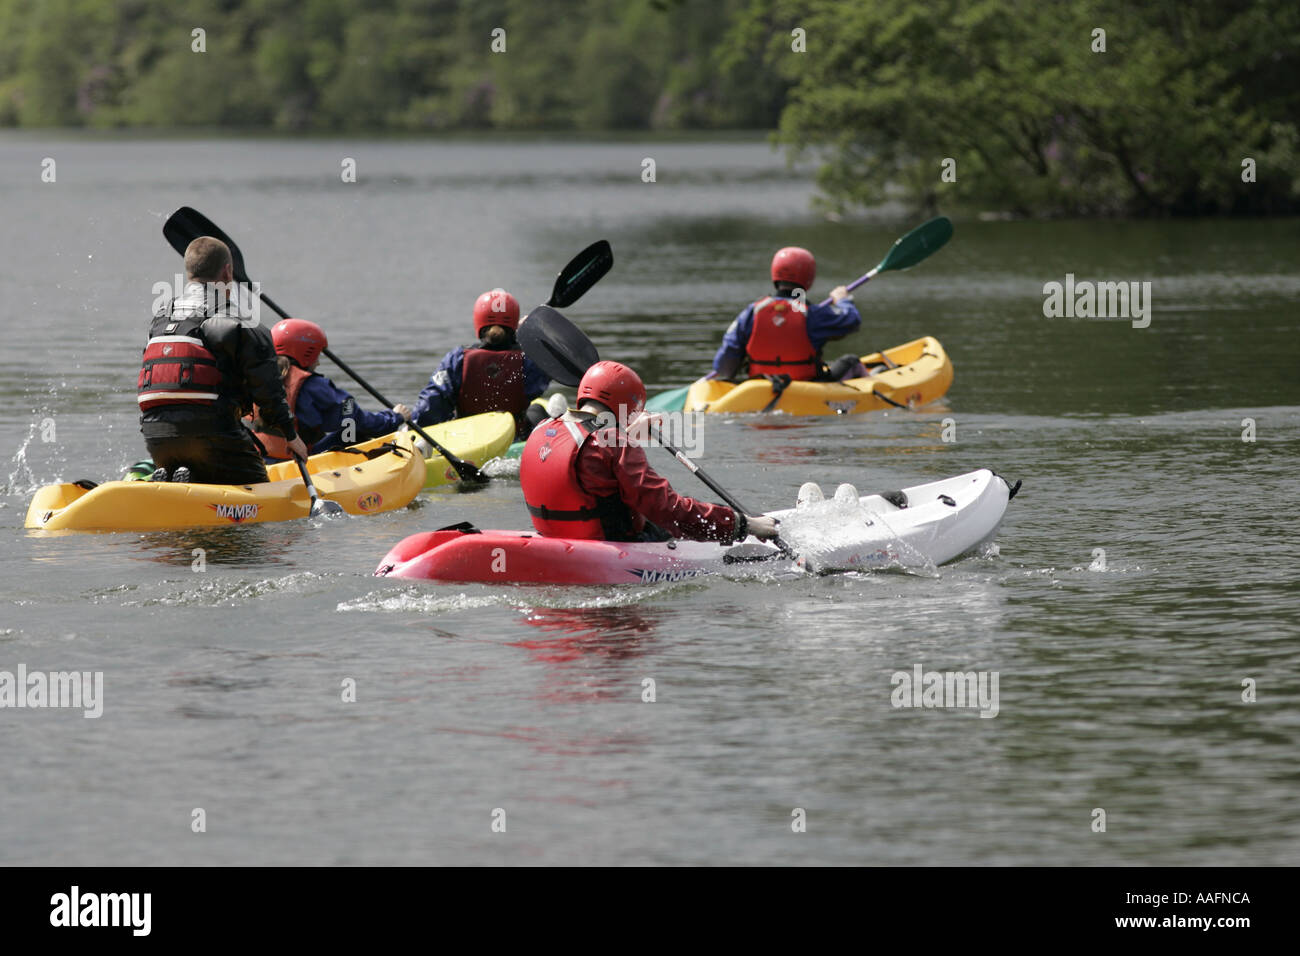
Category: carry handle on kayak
<point>561,349</point>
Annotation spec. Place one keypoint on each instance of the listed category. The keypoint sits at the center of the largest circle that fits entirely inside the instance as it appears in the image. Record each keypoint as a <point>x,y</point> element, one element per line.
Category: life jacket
<point>492,380</point>
<point>778,341</point>
<point>177,369</point>
<point>558,505</point>
<point>276,446</point>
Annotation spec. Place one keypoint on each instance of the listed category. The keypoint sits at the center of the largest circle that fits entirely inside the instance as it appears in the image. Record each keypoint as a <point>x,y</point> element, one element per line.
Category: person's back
<point>583,476</point>
<point>202,367</point>
<point>325,415</point>
<point>492,375</point>
<point>781,335</point>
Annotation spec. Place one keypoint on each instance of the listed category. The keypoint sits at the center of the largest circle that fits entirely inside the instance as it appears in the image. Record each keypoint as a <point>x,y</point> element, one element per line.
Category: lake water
<point>1120,671</point>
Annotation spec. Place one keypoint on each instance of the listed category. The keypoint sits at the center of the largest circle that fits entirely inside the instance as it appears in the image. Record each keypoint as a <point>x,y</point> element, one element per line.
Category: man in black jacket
<point>203,369</point>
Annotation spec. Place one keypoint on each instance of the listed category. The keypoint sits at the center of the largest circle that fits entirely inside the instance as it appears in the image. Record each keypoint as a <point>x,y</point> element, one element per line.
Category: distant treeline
<point>1087,107</point>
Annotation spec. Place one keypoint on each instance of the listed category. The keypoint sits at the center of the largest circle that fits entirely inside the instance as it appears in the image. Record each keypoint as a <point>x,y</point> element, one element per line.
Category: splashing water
<point>838,535</point>
<point>22,465</point>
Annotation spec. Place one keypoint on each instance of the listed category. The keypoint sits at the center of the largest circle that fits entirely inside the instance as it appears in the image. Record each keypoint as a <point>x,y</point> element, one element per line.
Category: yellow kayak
<point>361,485</point>
<point>923,375</point>
<point>477,439</point>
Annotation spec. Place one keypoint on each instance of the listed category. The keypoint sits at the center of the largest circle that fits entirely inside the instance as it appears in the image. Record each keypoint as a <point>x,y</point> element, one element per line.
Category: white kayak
<point>917,527</point>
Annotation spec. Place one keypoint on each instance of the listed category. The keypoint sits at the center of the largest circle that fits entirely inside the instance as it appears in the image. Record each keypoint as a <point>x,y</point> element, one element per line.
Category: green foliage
<point>375,64</point>
<point>1011,90</point>
<point>1037,121</point>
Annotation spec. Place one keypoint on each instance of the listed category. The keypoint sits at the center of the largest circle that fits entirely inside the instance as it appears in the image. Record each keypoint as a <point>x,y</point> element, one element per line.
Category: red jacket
<point>606,467</point>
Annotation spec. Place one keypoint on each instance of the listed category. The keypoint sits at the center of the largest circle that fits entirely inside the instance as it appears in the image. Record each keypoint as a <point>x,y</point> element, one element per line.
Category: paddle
<point>319,506</point>
<point>907,251</point>
<point>187,224</point>
<point>583,271</point>
<point>559,348</point>
<point>916,246</point>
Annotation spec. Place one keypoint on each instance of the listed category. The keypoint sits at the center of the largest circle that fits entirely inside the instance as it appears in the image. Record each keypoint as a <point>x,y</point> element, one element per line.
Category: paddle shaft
<point>718,490</point>
<point>467,470</point>
<point>316,506</point>
<point>860,280</point>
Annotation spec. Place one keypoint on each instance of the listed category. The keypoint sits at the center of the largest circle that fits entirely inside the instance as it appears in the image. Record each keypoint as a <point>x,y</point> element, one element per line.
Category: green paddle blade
<point>186,224</point>
<point>917,245</point>
<point>557,346</point>
<point>586,269</point>
<point>671,401</point>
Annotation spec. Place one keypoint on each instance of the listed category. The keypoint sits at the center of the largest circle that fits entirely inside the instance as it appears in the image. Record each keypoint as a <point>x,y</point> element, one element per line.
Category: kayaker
<point>583,477</point>
<point>321,410</point>
<point>492,375</point>
<point>781,335</point>
<point>203,368</point>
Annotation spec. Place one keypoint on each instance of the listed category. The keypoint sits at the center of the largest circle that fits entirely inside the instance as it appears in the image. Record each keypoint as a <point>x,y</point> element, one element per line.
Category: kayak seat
<point>86,483</point>
<point>896,498</point>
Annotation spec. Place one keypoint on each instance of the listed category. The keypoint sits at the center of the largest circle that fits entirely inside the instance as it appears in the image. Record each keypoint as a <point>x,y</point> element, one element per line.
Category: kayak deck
<point>924,374</point>
<point>476,439</point>
<point>940,521</point>
<point>360,485</point>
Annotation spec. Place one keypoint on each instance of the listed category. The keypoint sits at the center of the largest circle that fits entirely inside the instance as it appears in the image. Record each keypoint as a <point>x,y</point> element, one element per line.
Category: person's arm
<point>437,402</point>
<point>731,354</point>
<point>535,380</point>
<point>252,353</point>
<point>649,494</point>
<point>323,405</point>
<point>825,324</point>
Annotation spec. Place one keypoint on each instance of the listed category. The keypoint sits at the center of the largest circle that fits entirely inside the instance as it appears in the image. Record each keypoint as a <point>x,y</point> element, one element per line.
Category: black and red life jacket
<point>778,340</point>
<point>548,473</point>
<point>492,380</point>
<point>178,369</point>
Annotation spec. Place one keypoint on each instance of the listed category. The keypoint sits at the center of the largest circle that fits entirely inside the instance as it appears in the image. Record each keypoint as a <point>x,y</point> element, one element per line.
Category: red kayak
<point>922,526</point>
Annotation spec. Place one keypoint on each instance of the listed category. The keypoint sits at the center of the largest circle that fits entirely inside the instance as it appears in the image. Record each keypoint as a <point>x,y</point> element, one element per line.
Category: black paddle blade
<point>326,508</point>
<point>556,345</point>
<point>586,269</point>
<point>187,224</point>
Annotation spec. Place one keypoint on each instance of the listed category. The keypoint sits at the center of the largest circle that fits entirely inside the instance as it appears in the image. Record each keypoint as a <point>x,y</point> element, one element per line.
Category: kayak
<point>923,375</point>
<point>477,439</point>
<point>922,526</point>
<point>361,484</point>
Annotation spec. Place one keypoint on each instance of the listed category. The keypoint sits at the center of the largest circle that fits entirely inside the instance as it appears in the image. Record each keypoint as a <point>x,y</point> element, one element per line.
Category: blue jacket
<point>322,406</point>
<point>824,324</point>
<point>437,403</point>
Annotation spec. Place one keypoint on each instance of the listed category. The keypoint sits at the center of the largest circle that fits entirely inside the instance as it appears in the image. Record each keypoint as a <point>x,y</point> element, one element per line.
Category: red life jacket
<point>276,446</point>
<point>492,380</point>
<point>778,341</point>
<point>177,369</point>
<point>558,505</point>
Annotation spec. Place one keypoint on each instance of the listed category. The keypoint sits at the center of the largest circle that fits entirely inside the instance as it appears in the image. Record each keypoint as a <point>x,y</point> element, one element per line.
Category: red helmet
<point>613,385</point>
<point>796,265</point>
<point>299,339</point>
<point>497,307</point>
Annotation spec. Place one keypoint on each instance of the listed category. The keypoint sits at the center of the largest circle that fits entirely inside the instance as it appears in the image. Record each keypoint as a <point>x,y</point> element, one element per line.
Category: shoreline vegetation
<point>1091,109</point>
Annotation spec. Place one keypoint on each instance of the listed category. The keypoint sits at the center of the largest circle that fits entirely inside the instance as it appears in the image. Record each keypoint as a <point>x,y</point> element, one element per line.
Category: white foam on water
<point>419,600</point>
<point>215,592</point>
